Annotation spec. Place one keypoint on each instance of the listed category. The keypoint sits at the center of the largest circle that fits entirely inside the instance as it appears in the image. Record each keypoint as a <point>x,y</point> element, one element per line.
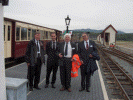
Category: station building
<point>108,36</point>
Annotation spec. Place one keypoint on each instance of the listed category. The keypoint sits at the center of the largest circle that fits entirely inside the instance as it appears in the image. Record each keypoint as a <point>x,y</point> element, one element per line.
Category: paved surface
<point>54,94</point>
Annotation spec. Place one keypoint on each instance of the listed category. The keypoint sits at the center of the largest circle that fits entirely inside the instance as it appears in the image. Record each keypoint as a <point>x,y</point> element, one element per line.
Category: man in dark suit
<point>34,58</point>
<point>65,51</point>
<point>88,54</point>
<point>52,60</point>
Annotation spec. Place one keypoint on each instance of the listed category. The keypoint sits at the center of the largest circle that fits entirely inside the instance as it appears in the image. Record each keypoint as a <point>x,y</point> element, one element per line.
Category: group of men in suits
<point>60,54</point>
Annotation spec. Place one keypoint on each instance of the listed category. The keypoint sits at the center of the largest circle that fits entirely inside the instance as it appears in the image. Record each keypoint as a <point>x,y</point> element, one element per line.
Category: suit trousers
<point>51,67</point>
<point>34,73</point>
<point>85,77</point>
<point>65,72</point>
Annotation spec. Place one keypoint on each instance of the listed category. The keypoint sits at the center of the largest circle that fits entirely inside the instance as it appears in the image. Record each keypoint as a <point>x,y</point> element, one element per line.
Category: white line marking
<point>102,83</point>
<point>14,66</point>
<point>39,84</point>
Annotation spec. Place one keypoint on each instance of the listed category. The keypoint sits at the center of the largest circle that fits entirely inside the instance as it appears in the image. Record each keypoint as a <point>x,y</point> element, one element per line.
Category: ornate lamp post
<point>67,20</point>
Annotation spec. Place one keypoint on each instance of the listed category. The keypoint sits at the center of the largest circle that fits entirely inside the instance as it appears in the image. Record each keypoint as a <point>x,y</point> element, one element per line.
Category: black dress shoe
<point>53,86</point>
<point>81,89</point>
<point>46,86</point>
<point>87,90</point>
<point>37,88</point>
<point>30,89</point>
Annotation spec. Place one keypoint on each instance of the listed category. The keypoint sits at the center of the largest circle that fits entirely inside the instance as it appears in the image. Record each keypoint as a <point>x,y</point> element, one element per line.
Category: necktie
<point>66,49</point>
<point>87,47</point>
<point>54,45</point>
<point>37,47</point>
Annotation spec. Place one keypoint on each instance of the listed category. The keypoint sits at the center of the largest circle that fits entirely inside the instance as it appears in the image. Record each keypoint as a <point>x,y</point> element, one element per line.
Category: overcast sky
<point>93,14</point>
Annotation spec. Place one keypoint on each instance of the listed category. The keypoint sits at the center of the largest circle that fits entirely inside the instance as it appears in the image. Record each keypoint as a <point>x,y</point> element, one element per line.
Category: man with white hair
<point>66,50</point>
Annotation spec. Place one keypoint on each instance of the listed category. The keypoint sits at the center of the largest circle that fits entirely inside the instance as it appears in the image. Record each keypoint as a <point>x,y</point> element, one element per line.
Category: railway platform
<point>97,91</point>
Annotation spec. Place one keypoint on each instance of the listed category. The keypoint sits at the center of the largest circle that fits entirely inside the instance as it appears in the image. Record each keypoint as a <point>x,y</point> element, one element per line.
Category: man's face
<point>85,37</point>
<point>37,36</point>
<point>67,38</point>
<point>53,37</point>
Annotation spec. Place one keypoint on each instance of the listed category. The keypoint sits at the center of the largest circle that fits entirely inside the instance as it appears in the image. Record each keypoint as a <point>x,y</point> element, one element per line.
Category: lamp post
<point>67,20</point>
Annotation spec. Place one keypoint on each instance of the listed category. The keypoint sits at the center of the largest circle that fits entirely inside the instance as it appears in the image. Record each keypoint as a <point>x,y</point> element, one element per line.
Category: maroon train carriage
<point>17,34</point>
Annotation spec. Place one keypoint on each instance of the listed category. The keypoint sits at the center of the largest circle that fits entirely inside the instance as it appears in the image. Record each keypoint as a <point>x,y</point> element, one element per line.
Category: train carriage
<point>17,34</point>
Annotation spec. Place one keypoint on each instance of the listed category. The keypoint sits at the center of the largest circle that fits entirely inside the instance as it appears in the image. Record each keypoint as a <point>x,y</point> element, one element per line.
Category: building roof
<point>107,28</point>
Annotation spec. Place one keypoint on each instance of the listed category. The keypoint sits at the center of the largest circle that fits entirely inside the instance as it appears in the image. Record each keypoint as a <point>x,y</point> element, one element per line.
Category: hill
<point>93,31</point>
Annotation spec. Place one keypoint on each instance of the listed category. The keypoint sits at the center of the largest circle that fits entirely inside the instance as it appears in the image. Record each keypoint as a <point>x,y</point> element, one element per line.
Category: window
<point>29,32</point>
<point>46,34</point>
<point>23,33</point>
<point>17,33</point>
<point>42,34</point>
<point>9,30</point>
<point>33,32</point>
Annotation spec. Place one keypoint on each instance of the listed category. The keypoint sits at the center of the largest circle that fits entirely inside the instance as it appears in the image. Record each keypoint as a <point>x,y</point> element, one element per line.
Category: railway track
<point>122,82</point>
<point>120,54</point>
<point>9,64</point>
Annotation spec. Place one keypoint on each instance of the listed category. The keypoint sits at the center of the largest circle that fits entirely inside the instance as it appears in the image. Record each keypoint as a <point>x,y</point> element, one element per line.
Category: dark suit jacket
<point>61,50</point>
<point>90,63</point>
<point>52,56</point>
<point>31,52</point>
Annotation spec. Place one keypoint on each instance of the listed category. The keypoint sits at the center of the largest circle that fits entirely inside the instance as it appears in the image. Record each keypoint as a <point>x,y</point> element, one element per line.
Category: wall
<point>112,35</point>
<point>2,63</point>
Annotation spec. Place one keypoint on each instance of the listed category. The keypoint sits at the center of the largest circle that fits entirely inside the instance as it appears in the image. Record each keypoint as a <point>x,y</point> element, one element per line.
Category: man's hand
<point>60,55</point>
<point>82,62</point>
<point>73,60</point>
<point>90,55</point>
<point>28,64</point>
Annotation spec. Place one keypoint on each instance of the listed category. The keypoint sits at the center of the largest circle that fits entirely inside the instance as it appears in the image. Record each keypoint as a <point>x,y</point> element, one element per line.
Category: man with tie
<point>52,60</point>
<point>88,54</point>
<point>65,51</point>
<point>34,58</point>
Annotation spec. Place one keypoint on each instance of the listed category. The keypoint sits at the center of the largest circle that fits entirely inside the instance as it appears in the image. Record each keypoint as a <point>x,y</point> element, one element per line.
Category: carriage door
<point>7,39</point>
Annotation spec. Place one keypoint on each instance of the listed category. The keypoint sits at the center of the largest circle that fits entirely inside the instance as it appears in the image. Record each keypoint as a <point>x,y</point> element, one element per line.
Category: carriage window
<point>9,30</point>
<point>33,32</point>
<point>29,31</point>
<point>23,33</point>
<point>41,34</point>
<point>4,32</point>
<point>46,34</point>
<point>17,33</point>
<point>49,35</point>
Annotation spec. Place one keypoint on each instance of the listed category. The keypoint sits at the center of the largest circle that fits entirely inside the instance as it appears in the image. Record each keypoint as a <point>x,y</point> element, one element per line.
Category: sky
<point>93,14</point>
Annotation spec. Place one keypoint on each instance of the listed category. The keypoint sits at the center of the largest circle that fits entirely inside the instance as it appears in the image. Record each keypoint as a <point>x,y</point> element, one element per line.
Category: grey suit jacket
<point>31,52</point>
<point>90,63</point>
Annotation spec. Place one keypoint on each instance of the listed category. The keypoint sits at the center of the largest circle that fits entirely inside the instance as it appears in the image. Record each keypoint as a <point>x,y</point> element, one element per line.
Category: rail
<point>112,66</point>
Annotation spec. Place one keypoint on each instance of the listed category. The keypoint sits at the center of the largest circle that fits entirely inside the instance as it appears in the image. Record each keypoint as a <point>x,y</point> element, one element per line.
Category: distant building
<point>107,36</point>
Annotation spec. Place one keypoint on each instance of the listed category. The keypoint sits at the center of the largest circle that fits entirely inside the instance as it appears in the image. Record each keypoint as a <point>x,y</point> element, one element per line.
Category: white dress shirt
<point>52,44</point>
<point>69,52</point>
<point>85,43</point>
<point>38,45</point>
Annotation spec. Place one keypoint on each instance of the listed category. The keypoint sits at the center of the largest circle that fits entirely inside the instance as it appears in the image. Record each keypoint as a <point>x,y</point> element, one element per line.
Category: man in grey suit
<point>88,55</point>
<point>34,58</point>
<point>66,50</point>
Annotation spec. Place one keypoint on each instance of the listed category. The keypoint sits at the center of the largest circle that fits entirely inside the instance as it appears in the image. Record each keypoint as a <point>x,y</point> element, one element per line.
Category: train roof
<point>13,20</point>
